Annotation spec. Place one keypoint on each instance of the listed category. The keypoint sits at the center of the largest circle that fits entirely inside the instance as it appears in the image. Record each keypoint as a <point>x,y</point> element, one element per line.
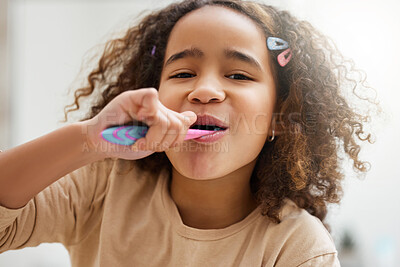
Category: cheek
<point>167,99</point>
<point>257,110</point>
<point>258,103</point>
<point>161,93</point>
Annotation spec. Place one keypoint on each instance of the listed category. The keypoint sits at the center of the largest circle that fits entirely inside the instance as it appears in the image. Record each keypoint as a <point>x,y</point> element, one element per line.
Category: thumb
<point>189,117</point>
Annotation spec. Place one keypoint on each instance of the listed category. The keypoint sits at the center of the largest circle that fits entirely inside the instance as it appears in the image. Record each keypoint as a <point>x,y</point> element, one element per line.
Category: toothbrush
<point>128,134</point>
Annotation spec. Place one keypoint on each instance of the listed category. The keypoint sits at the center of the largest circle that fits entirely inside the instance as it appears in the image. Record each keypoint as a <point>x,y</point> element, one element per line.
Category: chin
<point>197,167</point>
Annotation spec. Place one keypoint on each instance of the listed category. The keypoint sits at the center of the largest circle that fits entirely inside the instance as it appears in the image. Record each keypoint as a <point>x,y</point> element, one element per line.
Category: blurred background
<point>44,45</point>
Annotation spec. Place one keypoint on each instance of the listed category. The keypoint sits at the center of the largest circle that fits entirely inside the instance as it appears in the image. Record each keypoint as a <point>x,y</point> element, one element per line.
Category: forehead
<point>214,27</point>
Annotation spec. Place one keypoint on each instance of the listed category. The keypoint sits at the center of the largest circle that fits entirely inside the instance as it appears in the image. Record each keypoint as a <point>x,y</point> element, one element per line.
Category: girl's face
<point>226,74</point>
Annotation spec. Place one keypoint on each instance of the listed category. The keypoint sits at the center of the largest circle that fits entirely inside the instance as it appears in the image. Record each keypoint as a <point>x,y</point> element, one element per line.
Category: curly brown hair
<point>302,163</point>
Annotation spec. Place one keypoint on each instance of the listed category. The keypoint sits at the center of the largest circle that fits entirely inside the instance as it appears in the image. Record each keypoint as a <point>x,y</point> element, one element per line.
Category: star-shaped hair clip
<point>275,43</point>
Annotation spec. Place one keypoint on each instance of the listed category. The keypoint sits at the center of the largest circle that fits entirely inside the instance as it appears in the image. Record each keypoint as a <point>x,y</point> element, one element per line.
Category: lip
<point>211,138</point>
<point>203,119</point>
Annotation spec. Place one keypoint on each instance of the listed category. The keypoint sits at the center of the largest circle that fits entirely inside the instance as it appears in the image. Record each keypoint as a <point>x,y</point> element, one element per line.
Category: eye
<point>182,75</point>
<point>238,76</point>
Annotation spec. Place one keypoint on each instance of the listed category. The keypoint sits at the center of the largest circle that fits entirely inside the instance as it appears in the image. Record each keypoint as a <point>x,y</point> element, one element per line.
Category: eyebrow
<point>229,53</point>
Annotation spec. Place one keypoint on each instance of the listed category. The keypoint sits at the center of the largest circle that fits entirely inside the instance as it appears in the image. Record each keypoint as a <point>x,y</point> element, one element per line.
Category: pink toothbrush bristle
<point>195,133</point>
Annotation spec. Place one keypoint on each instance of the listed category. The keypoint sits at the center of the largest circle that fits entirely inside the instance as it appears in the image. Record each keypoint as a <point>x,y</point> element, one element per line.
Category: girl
<point>254,193</point>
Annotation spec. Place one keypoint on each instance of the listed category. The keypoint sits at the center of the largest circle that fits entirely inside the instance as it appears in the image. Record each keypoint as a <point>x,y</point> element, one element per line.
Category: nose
<point>207,90</point>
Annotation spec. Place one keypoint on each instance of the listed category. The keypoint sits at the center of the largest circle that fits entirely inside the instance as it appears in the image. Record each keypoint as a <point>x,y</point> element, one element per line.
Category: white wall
<point>4,107</point>
<point>48,40</point>
<point>368,32</point>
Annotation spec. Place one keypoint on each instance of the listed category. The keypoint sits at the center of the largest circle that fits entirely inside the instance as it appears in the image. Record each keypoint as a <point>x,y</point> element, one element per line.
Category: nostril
<point>206,100</point>
<point>196,100</point>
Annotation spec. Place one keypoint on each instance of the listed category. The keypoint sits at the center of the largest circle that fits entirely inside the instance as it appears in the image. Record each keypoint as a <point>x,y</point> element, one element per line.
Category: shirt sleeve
<point>326,260</point>
<point>63,212</point>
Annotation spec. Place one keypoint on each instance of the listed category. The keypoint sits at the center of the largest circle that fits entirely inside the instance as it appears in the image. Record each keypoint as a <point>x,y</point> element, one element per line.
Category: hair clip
<point>153,51</point>
<point>275,43</point>
<point>284,57</point>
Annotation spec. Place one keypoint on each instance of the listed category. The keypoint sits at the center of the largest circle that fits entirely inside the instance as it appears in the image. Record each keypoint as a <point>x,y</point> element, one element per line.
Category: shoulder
<point>299,219</point>
<point>300,237</point>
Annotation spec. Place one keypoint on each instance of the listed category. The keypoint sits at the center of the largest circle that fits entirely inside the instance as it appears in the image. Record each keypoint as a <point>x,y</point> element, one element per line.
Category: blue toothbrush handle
<point>124,135</point>
<point>128,134</point>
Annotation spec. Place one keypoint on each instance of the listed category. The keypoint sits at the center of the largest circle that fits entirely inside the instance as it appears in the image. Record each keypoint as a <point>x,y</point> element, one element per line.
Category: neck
<point>216,203</point>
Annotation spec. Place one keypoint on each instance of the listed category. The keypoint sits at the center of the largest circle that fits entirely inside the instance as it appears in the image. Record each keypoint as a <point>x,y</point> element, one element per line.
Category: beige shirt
<point>106,216</point>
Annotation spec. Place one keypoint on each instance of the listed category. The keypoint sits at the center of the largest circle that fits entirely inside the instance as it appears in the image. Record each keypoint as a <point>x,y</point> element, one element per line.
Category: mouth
<point>209,122</point>
<point>217,128</point>
<point>208,127</point>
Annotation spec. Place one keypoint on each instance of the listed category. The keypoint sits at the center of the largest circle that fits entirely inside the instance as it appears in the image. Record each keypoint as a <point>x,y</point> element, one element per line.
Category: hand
<point>167,128</point>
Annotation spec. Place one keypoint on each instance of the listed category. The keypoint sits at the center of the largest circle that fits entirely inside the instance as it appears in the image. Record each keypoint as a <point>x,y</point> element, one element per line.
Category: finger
<point>159,135</point>
<point>139,145</point>
<point>149,109</point>
<point>156,132</point>
<point>179,123</point>
<point>187,118</point>
<point>174,130</point>
<point>134,155</point>
<point>141,104</point>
